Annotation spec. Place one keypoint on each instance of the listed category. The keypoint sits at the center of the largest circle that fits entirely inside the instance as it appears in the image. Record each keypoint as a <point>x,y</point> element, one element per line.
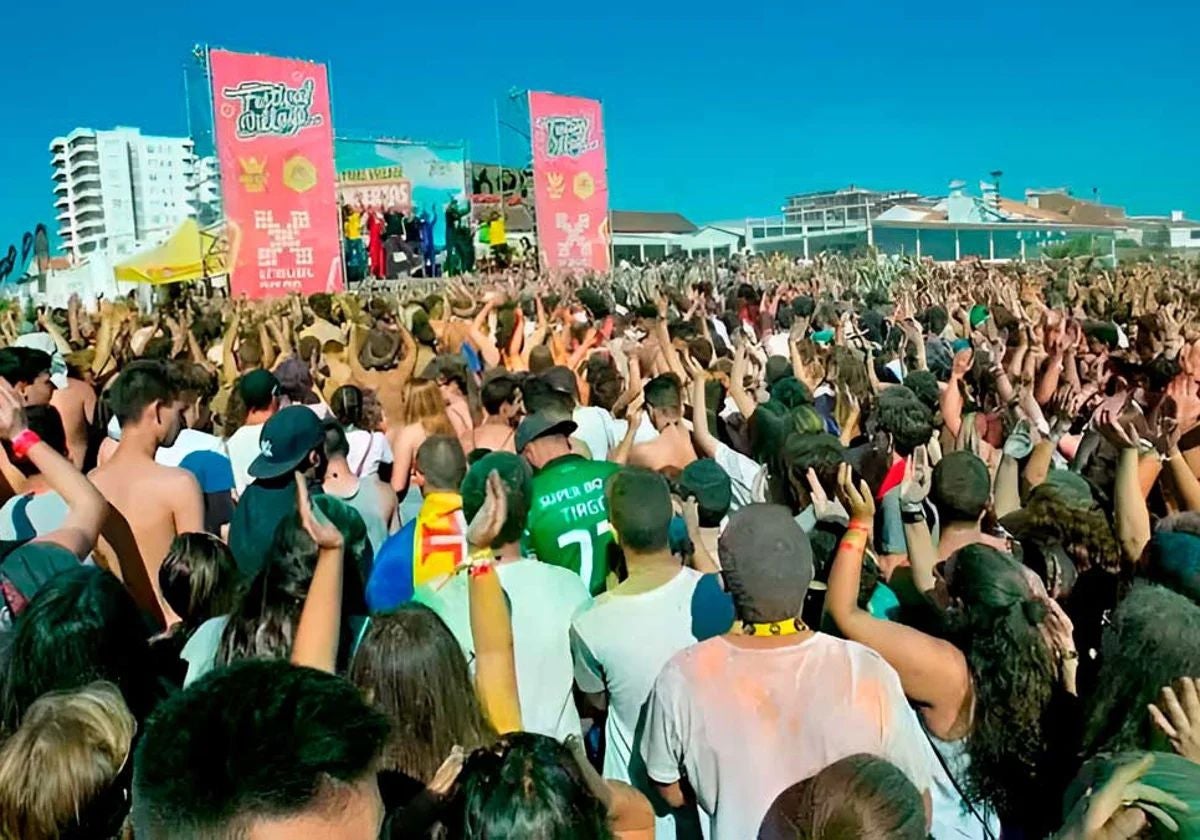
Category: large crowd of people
<point>841,549</point>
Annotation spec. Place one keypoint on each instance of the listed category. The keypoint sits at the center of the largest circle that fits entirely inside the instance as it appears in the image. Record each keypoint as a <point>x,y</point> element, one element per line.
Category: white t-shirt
<point>621,643</point>
<point>778,344</point>
<point>745,724</point>
<point>543,600</point>
<point>744,474</point>
<point>644,434</point>
<point>189,441</point>
<point>243,447</point>
<point>367,451</point>
<point>594,426</point>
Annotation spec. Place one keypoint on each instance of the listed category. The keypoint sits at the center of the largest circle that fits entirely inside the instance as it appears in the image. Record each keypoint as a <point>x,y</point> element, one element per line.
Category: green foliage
<point>1076,246</point>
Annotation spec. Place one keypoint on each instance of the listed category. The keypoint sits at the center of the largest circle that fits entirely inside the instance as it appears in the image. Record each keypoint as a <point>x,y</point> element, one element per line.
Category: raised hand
<point>485,527</point>
<point>325,535</point>
<point>1120,434</point>
<point>823,506</point>
<point>1177,716</point>
<point>1118,809</point>
<point>12,412</point>
<point>858,500</point>
<point>918,478</point>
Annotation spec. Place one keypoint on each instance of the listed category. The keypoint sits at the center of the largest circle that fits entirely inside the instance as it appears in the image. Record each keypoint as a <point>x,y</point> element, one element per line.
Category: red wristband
<point>23,442</point>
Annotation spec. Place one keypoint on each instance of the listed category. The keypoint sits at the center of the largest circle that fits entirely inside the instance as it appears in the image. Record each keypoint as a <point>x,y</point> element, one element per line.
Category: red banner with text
<point>570,182</point>
<point>274,139</point>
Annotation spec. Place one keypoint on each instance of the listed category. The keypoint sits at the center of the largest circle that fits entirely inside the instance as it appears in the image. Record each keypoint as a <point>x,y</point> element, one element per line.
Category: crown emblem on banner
<point>254,174</point>
<point>555,184</point>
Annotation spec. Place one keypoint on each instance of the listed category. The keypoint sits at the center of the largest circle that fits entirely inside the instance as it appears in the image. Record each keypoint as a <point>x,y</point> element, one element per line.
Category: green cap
<point>517,476</point>
<point>258,388</point>
<point>979,314</point>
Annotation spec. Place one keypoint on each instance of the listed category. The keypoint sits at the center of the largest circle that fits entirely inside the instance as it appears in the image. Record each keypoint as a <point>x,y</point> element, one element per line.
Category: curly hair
<point>823,453</point>
<point>996,625</point>
<point>1084,533</point>
<point>925,386</point>
<point>1137,658</point>
<point>905,418</point>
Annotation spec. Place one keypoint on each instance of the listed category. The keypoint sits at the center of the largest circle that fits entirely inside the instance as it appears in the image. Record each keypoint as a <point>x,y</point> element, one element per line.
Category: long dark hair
<point>198,578</point>
<point>529,785</point>
<point>411,669</point>
<point>264,619</point>
<point>1153,639</point>
<point>996,624</point>
<point>347,405</point>
<point>82,626</point>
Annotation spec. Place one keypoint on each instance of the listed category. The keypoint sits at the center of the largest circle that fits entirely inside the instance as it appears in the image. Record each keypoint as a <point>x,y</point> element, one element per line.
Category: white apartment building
<point>118,191</point>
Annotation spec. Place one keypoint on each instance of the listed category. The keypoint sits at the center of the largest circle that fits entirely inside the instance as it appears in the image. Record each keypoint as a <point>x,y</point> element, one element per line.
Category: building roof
<point>1013,212</point>
<point>1019,209</point>
<point>633,221</point>
<point>1137,221</point>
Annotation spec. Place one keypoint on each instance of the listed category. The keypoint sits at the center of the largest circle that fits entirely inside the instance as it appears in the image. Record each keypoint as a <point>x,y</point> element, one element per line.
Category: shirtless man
<point>501,400</point>
<point>74,398</point>
<point>673,446</point>
<point>76,404</point>
<point>150,504</point>
<point>28,371</point>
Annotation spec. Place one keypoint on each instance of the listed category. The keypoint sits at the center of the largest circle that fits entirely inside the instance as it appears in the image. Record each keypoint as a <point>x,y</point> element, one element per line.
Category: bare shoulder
<point>645,455</point>
<point>177,478</point>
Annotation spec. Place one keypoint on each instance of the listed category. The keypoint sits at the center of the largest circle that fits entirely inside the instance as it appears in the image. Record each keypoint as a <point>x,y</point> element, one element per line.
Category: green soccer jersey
<point>568,519</point>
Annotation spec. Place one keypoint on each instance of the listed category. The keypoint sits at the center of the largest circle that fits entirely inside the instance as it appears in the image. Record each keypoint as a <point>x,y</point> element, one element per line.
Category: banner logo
<point>568,136</point>
<point>273,108</point>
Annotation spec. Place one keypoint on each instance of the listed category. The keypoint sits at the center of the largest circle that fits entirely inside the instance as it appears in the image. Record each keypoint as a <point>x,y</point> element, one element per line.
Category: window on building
<point>1195,234</point>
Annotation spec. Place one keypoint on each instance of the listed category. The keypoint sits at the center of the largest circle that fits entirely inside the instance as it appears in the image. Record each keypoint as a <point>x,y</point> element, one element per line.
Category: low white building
<point>1175,231</point>
<point>642,237</point>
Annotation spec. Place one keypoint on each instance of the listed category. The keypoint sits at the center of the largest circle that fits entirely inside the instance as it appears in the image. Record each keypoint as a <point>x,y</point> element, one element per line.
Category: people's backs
<point>568,520</point>
<point>744,721</point>
<point>542,600</point>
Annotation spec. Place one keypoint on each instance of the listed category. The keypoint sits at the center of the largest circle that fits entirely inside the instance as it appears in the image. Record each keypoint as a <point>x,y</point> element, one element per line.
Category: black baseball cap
<point>258,388</point>
<point>286,440</point>
<point>559,378</point>
<point>541,425</point>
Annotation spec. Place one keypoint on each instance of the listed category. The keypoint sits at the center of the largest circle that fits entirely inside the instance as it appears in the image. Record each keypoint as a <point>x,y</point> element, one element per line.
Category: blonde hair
<point>70,747</point>
<point>424,404</point>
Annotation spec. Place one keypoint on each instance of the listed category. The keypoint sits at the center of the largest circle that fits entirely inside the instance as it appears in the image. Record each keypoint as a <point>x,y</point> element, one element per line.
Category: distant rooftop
<point>634,221</point>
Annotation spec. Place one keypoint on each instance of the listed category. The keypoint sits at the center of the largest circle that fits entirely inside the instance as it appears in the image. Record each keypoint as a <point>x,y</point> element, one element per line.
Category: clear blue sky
<point>714,110</point>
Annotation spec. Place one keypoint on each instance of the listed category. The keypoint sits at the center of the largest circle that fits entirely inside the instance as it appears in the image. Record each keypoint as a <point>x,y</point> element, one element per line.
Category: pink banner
<point>570,182</point>
<point>274,138</point>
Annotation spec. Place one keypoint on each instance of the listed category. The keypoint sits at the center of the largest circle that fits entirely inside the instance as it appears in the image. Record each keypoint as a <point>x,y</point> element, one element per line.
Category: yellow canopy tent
<point>190,254</point>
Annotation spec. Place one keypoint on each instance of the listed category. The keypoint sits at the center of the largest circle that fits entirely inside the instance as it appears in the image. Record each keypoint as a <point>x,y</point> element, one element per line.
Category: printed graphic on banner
<point>570,181</point>
<point>274,141</point>
<point>413,178</point>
